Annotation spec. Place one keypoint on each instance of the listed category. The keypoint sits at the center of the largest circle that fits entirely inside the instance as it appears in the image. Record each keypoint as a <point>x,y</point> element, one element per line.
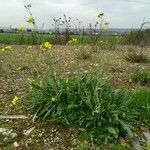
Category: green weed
<point>84,101</point>
<point>142,104</point>
<point>141,76</point>
<point>137,57</point>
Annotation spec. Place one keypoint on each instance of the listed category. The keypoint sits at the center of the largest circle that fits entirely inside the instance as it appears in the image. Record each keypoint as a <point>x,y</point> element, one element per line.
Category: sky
<point>119,13</point>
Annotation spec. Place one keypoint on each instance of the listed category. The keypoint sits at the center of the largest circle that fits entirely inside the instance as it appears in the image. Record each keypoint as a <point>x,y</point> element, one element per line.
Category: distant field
<point>14,38</point>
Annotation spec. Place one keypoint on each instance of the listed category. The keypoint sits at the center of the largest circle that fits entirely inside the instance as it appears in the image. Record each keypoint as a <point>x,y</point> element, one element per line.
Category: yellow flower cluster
<point>46,46</point>
<point>21,29</point>
<point>73,41</point>
<point>6,48</point>
<point>15,99</point>
<point>31,20</point>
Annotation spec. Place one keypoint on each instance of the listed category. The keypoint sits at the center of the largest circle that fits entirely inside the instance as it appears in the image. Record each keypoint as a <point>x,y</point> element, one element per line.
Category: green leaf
<point>35,86</point>
<point>111,130</point>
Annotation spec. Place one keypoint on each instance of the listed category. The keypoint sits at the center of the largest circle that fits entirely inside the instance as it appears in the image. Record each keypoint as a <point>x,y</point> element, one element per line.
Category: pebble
<point>16,144</point>
<point>136,144</point>
<point>28,132</point>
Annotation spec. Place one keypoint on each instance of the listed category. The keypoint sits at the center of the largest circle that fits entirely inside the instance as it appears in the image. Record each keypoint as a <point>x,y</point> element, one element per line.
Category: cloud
<point>120,13</point>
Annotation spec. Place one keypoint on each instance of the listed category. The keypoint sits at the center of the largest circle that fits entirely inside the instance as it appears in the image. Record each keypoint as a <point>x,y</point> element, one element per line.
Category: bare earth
<point>20,66</point>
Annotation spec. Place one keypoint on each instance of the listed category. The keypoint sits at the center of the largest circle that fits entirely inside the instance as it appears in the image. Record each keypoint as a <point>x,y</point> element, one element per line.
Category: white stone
<point>147,136</point>
<point>12,117</point>
<point>136,144</point>
<point>3,130</point>
<point>16,144</point>
<point>27,132</point>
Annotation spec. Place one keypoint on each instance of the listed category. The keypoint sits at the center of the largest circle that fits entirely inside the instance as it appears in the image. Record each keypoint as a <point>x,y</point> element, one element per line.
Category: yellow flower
<point>31,20</point>
<point>46,46</point>
<point>15,99</point>
<point>21,29</point>
<point>54,99</point>
<point>29,47</point>
<point>3,49</point>
<point>69,42</point>
<point>73,41</point>
<point>6,48</point>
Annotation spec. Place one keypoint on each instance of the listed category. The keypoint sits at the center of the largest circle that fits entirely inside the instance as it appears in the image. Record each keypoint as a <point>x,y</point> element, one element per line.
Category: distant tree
<point>1,31</point>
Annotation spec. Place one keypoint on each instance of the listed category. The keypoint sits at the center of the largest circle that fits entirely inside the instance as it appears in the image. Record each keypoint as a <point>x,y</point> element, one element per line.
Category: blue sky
<point>120,13</point>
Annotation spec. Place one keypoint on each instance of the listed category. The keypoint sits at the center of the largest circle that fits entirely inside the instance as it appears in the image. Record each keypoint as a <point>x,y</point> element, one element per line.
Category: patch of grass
<point>136,57</point>
<point>142,104</point>
<point>84,101</point>
<point>140,37</point>
<point>83,53</point>
<point>141,76</point>
<point>14,38</point>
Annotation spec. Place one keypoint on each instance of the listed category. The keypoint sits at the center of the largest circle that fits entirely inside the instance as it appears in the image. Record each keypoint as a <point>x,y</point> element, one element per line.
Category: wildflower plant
<point>21,31</point>
<point>73,41</point>
<point>141,77</point>
<point>29,47</point>
<point>66,23</point>
<point>84,101</point>
<point>46,46</point>
<point>15,100</point>
<point>137,57</point>
<point>57,24</point>
<point>31,20</point>
<point>6,48</point>
<point>98,29</point>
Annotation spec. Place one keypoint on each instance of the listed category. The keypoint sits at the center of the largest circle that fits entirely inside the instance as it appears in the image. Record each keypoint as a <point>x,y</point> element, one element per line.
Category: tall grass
<point>139,37</point>
<point>137,57</point>
<point>141,77</point>
<point>142,104</point>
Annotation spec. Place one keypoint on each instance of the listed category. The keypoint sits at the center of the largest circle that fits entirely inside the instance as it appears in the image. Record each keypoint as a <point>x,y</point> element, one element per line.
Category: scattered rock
<point>146,134</point>
<point>27,132</point>
<point>3,130</point>
<point>16,144</point>
<point>136,144</point>
<point>12,117</point>
<point>7,134</point>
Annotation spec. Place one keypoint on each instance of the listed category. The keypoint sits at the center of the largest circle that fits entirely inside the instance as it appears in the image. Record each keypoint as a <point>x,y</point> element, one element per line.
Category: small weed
<point>136,57</point>
<point>139,37</point>
<point>142,104</point>
<point>83,54</point>
<point>141,76</point>
<point>84,101</point>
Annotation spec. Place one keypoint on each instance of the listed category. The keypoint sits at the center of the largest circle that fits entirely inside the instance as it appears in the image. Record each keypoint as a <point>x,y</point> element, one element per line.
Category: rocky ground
<point>20,129</point>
